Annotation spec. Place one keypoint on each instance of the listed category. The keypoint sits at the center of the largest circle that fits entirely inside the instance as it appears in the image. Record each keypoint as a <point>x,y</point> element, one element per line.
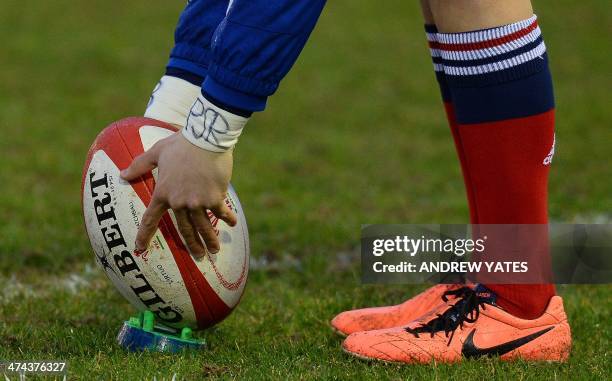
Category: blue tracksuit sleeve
<point>255,46</point>
<point>191,53</point>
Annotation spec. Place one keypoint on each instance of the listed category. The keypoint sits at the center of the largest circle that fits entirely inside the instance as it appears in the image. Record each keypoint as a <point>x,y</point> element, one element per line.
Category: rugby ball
<point>180,290</point>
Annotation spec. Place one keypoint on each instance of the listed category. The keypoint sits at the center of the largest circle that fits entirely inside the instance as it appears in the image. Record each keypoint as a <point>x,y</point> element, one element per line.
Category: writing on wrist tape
<point>212,128</point>
<point>171,100</point>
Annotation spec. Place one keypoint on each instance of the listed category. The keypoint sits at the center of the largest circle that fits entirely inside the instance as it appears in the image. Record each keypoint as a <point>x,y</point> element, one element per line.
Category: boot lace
<point>465,310</point>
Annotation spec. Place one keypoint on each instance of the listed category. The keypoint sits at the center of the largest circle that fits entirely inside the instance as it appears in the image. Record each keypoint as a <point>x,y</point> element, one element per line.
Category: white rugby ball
<point>165,279</point>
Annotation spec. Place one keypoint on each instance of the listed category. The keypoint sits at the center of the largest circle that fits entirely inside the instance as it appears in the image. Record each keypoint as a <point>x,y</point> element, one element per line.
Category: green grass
<point>308,171</point>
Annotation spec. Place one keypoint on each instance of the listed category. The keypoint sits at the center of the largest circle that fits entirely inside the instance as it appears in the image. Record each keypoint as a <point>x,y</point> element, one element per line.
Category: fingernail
<point>123,173</point>
<point>199,255</point>
<point>214,251</point>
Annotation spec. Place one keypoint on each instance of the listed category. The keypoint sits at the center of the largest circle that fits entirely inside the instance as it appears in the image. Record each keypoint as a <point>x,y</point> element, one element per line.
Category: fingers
<point>149,223</point>
<point>223,212</point>
<point>192,224</point>
<point>142,164</point>
<point>190,235</point>
<point>206,230</point>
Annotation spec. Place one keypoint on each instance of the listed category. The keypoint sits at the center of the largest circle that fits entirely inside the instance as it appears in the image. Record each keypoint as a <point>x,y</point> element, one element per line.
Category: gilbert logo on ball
<point>180,290</point>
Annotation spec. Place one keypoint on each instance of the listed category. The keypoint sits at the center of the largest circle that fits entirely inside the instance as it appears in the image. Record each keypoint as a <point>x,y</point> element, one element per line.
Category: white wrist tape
<point>171,100</point>
<point>212,128</point>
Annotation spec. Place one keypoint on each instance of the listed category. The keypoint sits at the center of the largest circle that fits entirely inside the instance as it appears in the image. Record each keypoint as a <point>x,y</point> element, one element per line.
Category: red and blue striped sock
<point>501,89</point>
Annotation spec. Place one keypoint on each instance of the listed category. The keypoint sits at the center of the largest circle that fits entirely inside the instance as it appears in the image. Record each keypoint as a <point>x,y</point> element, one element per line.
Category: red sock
<point>510,184</point>
<point>501,90</point>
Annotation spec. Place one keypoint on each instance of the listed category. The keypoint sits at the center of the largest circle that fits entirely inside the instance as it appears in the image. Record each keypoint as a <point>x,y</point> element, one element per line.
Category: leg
<point>481,183</point>
<point>502,96</point>
<point>455,16</point>
<point>498,84</point>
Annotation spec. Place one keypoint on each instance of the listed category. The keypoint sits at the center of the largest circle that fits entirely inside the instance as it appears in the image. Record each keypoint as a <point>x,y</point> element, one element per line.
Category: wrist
<point>212,128</point>
<point>171,100</point>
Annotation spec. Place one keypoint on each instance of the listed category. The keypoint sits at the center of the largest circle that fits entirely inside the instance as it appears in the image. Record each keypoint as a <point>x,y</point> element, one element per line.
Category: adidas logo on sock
<point>549,157</point>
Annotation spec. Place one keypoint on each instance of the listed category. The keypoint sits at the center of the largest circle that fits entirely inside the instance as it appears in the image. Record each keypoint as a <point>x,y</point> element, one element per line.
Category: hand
<point>190,181</point>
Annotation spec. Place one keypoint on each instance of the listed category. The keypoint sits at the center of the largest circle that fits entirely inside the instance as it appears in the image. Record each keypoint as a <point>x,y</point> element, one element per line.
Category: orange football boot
<point>471,327</point>
<point>367,319</point>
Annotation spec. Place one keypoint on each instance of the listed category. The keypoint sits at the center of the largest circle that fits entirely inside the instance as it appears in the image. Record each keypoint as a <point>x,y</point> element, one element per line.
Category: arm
<point>255,46</point>
<point>252,49</point>
<point>178,89</point>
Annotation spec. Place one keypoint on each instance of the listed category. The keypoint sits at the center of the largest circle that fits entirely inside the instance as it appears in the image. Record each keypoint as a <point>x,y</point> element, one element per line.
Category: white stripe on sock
<point>535,53</point>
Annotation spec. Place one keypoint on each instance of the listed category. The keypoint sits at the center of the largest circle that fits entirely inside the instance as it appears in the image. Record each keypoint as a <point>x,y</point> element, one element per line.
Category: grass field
<point>308,171</point>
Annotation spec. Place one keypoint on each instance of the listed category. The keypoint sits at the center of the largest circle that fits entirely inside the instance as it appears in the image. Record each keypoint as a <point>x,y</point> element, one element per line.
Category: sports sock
<point>431,32</point>
<point>501,90</point>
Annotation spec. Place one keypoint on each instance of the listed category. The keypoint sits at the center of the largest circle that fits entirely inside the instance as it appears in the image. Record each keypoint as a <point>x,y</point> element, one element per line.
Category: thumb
<point>141,165</point>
